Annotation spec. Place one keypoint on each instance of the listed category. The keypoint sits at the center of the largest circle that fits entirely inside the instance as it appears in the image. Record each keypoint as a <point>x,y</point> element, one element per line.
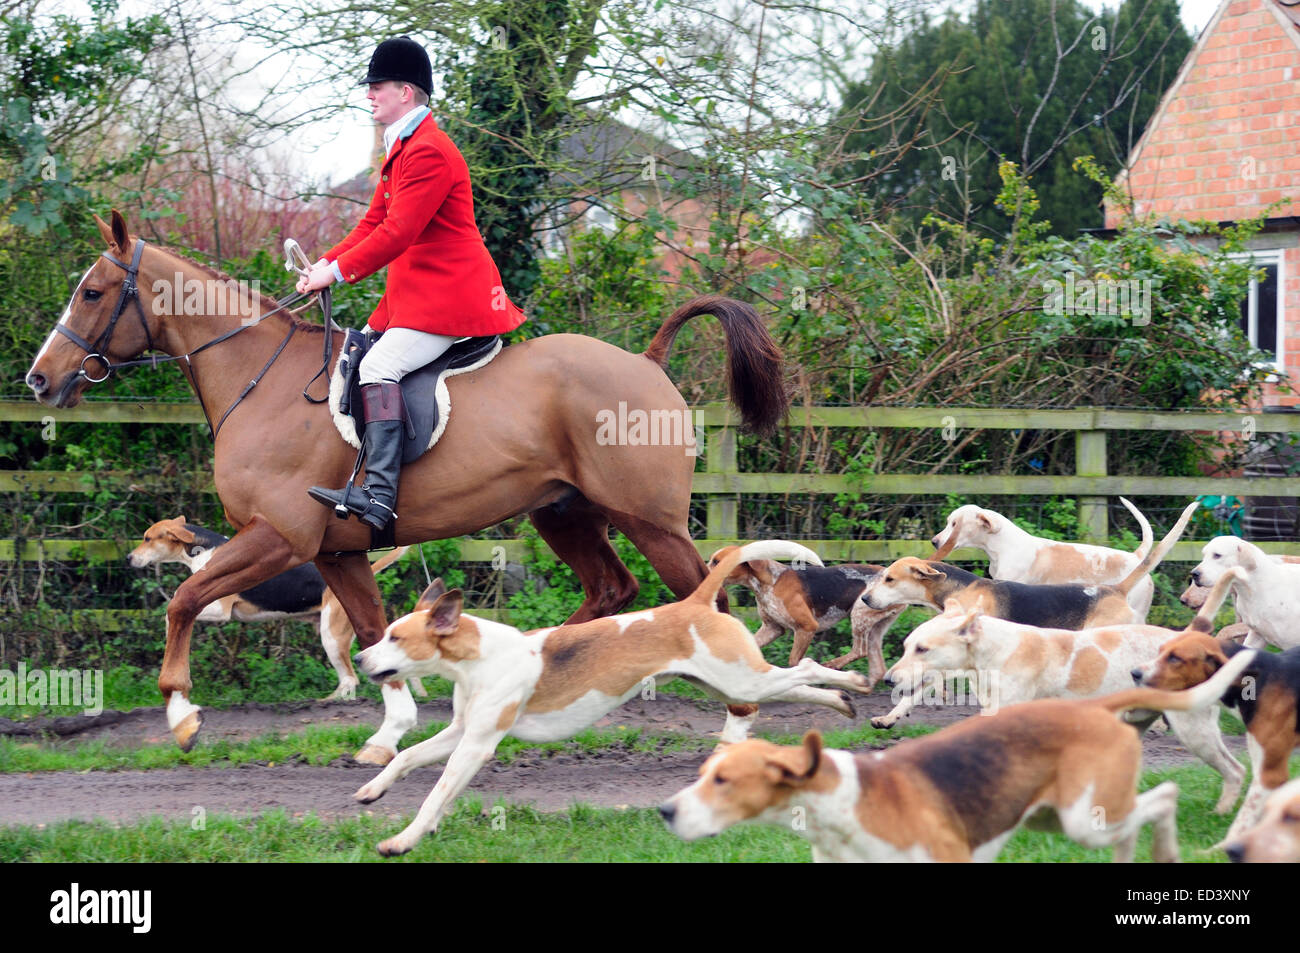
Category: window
<point>1262,318</point>
<point>600,217</point>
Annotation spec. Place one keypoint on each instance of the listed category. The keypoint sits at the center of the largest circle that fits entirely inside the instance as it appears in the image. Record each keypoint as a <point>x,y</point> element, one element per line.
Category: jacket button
<point>385,178</point>
<point>352,277</point>
<point>385,195</point>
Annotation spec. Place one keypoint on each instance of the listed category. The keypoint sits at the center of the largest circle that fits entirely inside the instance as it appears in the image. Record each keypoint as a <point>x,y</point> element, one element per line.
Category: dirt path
<point>549,781</point>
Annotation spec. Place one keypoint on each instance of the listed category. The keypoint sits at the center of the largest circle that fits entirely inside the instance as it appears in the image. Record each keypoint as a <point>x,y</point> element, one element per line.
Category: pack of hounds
<point>1078,677</point>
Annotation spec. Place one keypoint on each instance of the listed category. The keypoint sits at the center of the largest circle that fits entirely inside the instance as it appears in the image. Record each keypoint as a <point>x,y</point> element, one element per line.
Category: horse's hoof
<point>186,731</point>
<point>374,754</point>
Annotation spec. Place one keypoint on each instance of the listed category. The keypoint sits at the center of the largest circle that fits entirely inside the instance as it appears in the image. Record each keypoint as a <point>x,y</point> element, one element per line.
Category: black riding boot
<point>385,433</point>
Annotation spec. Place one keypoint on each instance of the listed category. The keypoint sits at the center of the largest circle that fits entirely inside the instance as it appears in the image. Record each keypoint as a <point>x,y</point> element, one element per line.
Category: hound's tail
<point>1206,693</point>
<point>729,557</point>
<point>1204,621</point>
<point>1152,559</point>
<point>379,565</point>
<point>1147,537</point>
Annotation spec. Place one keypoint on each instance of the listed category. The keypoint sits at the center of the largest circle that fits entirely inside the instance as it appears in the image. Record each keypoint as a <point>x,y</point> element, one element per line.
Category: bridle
<point>131,292</point>
<point>97,351</point>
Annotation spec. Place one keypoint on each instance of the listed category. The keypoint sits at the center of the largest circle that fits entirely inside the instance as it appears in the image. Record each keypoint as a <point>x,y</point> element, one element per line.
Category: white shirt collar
<point>403,127</point>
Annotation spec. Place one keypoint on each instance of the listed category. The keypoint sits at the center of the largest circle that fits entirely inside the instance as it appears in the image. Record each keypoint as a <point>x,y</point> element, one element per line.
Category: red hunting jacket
<point>441,277</point>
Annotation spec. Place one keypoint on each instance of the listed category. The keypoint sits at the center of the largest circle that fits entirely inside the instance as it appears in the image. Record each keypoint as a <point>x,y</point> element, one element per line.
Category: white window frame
<point>552,241</point>
<point>1259,258</point>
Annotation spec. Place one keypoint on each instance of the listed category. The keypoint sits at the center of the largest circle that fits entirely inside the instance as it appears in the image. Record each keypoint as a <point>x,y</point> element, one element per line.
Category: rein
<point>131,292</point>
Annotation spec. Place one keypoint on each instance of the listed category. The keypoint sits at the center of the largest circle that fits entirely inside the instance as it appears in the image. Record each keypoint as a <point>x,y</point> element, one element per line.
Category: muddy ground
<point>549,781</point>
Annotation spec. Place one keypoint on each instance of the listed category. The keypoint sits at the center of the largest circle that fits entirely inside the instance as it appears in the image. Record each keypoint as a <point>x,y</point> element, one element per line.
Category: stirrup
<point>354,501</point>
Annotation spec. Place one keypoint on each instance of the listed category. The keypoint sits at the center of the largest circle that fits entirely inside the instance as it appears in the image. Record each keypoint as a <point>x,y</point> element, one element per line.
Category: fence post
<point>1090,461</point>
<point>723,509</point>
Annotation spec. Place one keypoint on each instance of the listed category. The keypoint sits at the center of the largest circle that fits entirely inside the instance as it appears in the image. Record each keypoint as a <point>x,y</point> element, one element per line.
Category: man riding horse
<point>442,283</point>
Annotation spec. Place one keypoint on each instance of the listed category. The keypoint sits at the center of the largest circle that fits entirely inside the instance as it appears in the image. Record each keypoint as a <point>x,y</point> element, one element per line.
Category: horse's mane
<point>268,303</point>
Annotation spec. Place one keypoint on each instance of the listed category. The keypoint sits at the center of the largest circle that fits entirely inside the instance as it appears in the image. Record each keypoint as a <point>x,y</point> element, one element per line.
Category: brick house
<point>1224,144</point>
<point>615,171</point>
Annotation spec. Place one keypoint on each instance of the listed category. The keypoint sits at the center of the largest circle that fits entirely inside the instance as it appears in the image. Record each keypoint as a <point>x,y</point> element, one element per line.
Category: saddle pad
<point>428,402</point>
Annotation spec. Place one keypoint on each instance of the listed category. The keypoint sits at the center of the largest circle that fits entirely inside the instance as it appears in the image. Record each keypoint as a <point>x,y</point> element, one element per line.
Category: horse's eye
<point>90,294</point>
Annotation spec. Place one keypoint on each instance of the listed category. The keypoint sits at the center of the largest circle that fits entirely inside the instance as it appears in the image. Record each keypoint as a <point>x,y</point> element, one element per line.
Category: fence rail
<point>722,484</point>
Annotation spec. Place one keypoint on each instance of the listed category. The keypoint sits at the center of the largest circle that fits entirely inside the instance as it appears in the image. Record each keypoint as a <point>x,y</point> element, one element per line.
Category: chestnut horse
<point>525,436</point>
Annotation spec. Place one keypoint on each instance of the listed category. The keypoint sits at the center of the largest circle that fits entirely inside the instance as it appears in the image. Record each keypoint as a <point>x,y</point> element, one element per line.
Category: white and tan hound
<point>1017,556</point>
<point>1017,663</point>
<point>1268,593</point>
<point>959,794</point>
<point>548,684</point>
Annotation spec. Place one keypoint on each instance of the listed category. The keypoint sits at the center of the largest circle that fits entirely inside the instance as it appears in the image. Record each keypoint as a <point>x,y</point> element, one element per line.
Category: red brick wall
<point>1226,141</point>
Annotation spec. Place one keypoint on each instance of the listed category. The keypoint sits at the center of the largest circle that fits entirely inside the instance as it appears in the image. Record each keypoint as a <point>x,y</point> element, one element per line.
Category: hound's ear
<point>179,531</point>
<point>795,766</point>
<point>1246,556</point>
<point>926,571</point>
<point>812,744</point>
<point>430,595</point>
<point>445,613</point>
<point>952,606</point>
<point>105,230</point>
<point>120,238</point>
<point>986,524</point>
<point>972,625</point>
<point>720,555</point>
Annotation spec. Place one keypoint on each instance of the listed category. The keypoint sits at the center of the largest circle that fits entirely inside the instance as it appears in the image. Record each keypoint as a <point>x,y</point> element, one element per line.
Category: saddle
<point>428,402</point>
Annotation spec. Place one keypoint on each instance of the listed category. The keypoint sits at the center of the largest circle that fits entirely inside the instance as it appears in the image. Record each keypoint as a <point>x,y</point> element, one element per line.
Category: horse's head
<point>106,321</point>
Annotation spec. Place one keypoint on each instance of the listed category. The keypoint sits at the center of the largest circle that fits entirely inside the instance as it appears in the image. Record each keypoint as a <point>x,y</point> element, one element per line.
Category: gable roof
<point>1208,94</point>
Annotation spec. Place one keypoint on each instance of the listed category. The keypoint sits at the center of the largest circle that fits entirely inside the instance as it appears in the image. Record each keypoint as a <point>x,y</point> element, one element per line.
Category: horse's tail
<point>754,371</point>
<point>729,557</point>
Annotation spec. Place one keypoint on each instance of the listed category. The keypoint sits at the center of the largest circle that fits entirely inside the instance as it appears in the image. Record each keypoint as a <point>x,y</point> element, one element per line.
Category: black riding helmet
<point>403,60</point>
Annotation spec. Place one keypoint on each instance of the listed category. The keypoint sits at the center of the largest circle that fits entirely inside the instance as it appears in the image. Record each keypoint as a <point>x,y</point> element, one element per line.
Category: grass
<point>507,833</point>
<point>320,745</point>
<point>127,687</point>
<point>470,834</point>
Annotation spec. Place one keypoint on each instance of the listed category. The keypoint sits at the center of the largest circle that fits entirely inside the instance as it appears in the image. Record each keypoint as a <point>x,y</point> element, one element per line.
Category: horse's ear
<point>105,230</point>
<point>120,238</point>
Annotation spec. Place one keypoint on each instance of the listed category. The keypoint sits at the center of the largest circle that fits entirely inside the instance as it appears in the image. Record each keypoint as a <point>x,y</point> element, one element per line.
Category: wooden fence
<point>722,484</point>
